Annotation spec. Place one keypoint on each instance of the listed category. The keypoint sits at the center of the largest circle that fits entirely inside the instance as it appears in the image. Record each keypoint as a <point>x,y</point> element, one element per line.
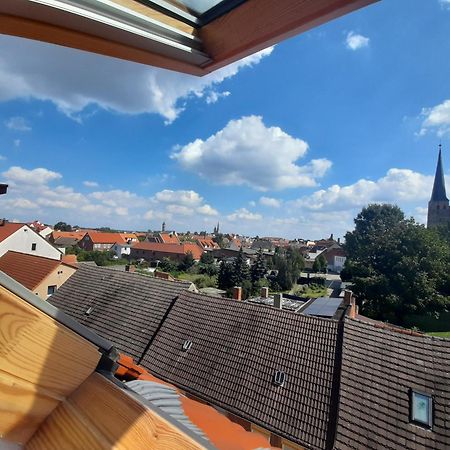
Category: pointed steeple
<point>439,194</point>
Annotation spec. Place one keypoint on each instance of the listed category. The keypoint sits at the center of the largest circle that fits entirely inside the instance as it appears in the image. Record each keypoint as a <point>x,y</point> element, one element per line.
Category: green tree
<point>322,262</point>
<point>167,265</point>
<point>62,226</point>
<point>397,267</point>
<point>187,262</point>
<point>241,271</point>
<point>317,267</point>
<point>207,258</point>
<point>284,276</point>
<point>258,269</point>
<point>225,277</point>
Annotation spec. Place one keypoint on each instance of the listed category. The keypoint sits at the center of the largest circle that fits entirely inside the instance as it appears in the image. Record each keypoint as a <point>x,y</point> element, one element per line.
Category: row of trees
<point>398,267</point>
<point>287,264</point>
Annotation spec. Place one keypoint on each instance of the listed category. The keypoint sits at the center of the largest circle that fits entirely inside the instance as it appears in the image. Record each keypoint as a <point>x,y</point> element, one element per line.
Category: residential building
<point>121,250</point>
<point>42,276</point>
<point>19,237</point>
<point>62,243</point>
<point>336,257</point>
<point>41,228</point>
<point>165,238</point>
<point>264,244</point>
<point>438,206</point>
<point>206,243</point>
<point>155,251</point>
<point>95,240</point>
<point>314,375</point>
<point>81,394</point>
<point>74,236</point>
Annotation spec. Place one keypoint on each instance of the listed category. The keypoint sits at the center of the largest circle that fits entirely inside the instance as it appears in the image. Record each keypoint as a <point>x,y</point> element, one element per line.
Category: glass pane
<point>421,408</point>
<point>200,6</point>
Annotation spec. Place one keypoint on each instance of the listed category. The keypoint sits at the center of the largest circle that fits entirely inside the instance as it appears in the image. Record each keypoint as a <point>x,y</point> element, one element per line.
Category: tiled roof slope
<point>28,270</point>
<point>379,367</point>
<point>127,307</point>
<point>236,349</point>
<point>8,228</point>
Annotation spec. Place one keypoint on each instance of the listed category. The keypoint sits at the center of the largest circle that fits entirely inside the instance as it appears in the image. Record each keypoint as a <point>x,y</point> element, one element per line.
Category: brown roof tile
<point>379,367</point>
<point>106,238</point>
<point>127,308</point>
<point>8,228</point>
<point>236,349</point>
<point>28,270</point>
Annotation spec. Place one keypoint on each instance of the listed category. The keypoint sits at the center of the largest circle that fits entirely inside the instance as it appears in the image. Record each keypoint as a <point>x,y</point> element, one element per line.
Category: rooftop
<point>126,308</point>
<point>28,270</point>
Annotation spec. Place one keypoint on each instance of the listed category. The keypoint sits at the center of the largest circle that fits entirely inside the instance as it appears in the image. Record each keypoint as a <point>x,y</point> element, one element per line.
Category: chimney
<point>278,301</point>
<point>130,268</point>
<point>339,240</point>
<point>349,300</point>
<point>237,293</point>
<point>264,292</point>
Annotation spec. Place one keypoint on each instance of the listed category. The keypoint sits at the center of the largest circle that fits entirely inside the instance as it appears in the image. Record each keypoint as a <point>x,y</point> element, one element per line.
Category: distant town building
<point>19,237</point>
<point>42,276</point>
<point>438,206</point>
<point>156,251</point>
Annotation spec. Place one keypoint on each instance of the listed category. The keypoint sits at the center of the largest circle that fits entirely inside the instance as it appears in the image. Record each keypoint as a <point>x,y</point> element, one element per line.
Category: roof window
<point>278,379</point>
<point>187,344</point>
<point>421,409</point>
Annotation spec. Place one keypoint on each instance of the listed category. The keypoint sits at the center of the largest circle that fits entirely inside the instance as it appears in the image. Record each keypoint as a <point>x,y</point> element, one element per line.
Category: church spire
<point>439,194</point>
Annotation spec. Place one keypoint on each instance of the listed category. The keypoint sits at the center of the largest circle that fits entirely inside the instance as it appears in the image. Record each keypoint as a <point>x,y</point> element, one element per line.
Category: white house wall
<point>22,241</point>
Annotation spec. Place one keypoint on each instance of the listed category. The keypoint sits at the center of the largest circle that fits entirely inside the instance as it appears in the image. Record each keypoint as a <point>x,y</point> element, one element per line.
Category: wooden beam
<point>101,416</point>
<point>156,15</point>
<point>41,362</point>
<point>258,24</point>
<point>41,31</point>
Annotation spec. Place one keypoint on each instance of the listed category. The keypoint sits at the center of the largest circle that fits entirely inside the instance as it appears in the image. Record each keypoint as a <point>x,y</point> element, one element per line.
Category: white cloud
<point>207,210</point>
<point>355,41</point>
<point>243,214</point>
<point>90,184</point>
<point>17,124</point>
<point>17,143</point>
<point>397,186</point>
<point>186,198</point>
<point>271,202</point>
<point>2,158</point>
<point>246,152</point>
<point>445,4</point>
<point>73,80</point>
<point>214,96</point>
<point>436,119</point>
<point>38,190</point>
<point>40,175</point>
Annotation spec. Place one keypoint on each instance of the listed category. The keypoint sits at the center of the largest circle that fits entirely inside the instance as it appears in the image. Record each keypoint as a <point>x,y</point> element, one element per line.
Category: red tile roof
<point>176,249</point>
<point>169,238</point>
<point>8,229</point>
<point>68,234</point>
<point>207,242</point>
<point>106,238</point>
<point>221,431</point>
<point>29,270</point>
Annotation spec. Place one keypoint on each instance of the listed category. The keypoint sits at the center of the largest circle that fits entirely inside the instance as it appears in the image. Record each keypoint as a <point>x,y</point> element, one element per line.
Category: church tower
<point>438,206</point>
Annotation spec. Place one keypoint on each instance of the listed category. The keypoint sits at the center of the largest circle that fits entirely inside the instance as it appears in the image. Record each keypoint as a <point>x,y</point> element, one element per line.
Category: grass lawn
<point>443,334</point>
<point>200,280</point>
<point>314,291</point>
<point>430,325</point>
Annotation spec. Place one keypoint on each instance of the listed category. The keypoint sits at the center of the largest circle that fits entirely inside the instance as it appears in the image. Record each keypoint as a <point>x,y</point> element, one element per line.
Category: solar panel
<point>323,306</point>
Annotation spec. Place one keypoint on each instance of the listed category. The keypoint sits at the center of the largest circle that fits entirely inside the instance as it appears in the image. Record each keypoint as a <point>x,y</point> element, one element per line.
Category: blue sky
<point>292,141</point>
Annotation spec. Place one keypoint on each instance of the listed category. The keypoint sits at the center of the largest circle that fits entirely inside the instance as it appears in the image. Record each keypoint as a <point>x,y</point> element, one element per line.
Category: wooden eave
<point>129,30</point>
